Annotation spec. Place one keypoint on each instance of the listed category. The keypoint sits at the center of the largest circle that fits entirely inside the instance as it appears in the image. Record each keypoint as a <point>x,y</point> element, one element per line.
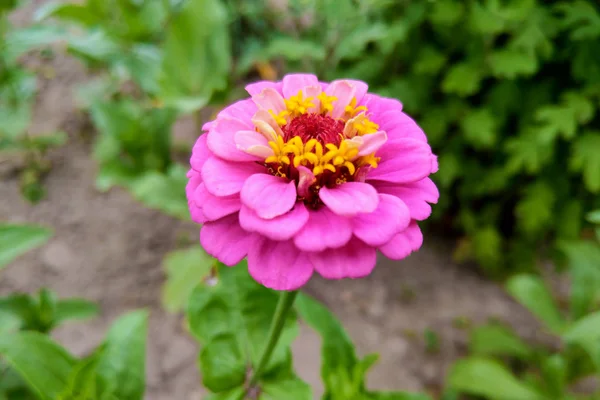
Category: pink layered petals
<point>380,226</point>
<point>213,207</point>
<point>221,139</point>
<point>350,198</point>
<point>416,195</point>
<point>323,230</point>
<point>266,125</point>
<point>378,105</point>
<point>195,180</point>
<point>269,99</point>
<point>293,83</point>
<point>360,89</point>
<point>253,143</point>
<point>200,153</point>
<point>306,179</point>
<point>283,227</point>
<point>370,143</point>
<point>269,196</point>
<point>398,125</point>
<point>403,161</point>
<point>243,109</point>
<point>313,92</point>
<point>225,240</point>
<point>403,243</point>
<point>279,265</point>
<point>224,178</point>
<point>344,91</point>
<point>256,88</point>
<point>355,260</point>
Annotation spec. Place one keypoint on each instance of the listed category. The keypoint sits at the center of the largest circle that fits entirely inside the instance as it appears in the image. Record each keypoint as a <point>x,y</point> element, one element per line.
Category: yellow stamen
<point>351,110</point>
<point>298,105</point>
<point>326,102</point>
<point>280,118</point>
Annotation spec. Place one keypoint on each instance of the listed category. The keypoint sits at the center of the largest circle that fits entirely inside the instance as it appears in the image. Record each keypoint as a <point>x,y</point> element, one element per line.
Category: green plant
<point>542,372</point>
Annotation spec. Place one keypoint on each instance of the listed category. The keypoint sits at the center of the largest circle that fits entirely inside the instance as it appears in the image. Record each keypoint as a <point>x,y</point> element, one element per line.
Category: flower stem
<point>286,300</point>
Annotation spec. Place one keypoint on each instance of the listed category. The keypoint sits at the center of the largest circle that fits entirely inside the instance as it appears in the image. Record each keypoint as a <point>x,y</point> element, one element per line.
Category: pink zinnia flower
<point>309,176</point>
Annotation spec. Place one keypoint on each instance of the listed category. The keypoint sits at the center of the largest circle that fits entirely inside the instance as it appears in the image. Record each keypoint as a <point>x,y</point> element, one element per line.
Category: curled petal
<point>403,161</point>
<point>398,125</point>
<point>224,178</point>
<point>344,91</point>
<point>360,91</point>
<point>225,240</point>
<point>214,207</point>
<point>270,196</point>
<point>279,265</point>
<point>266,125</point>
<point>269,99</point>
<point>243,110</point>
<point>253,143</point>
<point>257,87</point>
<point>380,226</point>
<point>283,227</point>
<point>293,83</point>
<point>355,260</point>
<point>368,144</point>
<point>307,178</point>
<point>404,243</point>
<point>313,92</point>
<point>200,153</point>
<point>350,198</point>
<point>323,230</point>
<point>416,195</point>
<point>221,139</point>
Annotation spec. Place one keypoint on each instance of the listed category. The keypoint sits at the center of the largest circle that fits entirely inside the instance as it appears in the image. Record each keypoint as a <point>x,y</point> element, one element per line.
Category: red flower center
<point>314,126</point>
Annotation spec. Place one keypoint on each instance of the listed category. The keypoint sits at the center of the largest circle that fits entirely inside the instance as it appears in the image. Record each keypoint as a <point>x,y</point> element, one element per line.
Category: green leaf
<point>19,239</point>
<point>564,119</point>
<point>582,17</point>
<point>17,91</point>
<point>185,269</point>
<point>81,14</point>
<point>83,381</point>
<point>222,363</point>
<point>510,64</point>
<point>287,389</point>
<point>488,378</point>
<point>164,192</point>
<point>487,246</point>
<point>74,309</point>
<point>480,128</point>
<point>121,362</point>
<point>197,54</point>
<point>353,45</point>
<point>43,364</point>
<point>397,396</point>
<point>9,322</point>
<point>237,306</point>
<point>533,294</point>
<point>535,211</point>
<point>292,49</point>
<point>586,329</point>
<point>496,340</point>
<point>463,79</point>
<point>238,393</point>
<point>446,12</point>
<point>21,41</point>
<point>593,217</point>
<point>585,158</point>
<point>529,151</point>
<point>555,371</point>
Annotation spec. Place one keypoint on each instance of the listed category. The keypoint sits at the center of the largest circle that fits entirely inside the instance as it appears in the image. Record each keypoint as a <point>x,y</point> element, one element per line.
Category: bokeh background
<point>101,101</point>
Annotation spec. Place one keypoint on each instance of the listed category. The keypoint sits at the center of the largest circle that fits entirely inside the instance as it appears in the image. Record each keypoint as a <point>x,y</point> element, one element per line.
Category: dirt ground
<point>108,248</point>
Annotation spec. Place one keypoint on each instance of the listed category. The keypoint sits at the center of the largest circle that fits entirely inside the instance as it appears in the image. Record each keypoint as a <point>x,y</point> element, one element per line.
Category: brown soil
<point>108,248</point>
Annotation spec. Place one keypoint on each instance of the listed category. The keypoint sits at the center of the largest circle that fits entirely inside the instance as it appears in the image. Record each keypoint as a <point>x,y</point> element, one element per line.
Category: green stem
<point>286,300</point>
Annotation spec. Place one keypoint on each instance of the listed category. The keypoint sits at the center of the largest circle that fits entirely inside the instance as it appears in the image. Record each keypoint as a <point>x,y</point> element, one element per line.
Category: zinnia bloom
<point>309,176</point>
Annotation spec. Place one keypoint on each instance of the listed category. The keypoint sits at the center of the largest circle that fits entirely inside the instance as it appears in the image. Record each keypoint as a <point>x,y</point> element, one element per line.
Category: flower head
<point>309,176</point>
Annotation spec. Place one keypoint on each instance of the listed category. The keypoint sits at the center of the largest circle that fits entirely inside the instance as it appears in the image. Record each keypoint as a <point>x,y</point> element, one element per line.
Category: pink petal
<point>195,180</point>
<point>293,83</point>
<point>266,125</point>
<point>279,265</point>
<point>283,227</point>
<point>268,195</point>
<point>200,153</point>
<point>256,88</point>
<point>214,207</point>
<point>355,260</point>
<point>313,91</point>
<point>306,179</point>
<point>323,230</point>
<point>403,243</point>
<point>221,139</point>
<point>403,161</point>
<point>253,143</point>
<point>380,226</point>
<point>415,195</point>
<point>225,240</point>
<point>377,104</point>
<point>344,91</point>
<point>207,125</point>
<point>269,99</point>
<point>243,110</point>
<point>350,198</point>
<point>361,88</point>
<point>398,125</point>
<point>196,213</point>
<point>224,178</point>
<point>370,143</point>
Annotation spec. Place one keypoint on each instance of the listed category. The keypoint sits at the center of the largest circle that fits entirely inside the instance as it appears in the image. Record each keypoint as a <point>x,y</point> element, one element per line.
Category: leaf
<point>480,128</point>
<point>82,383</point>
<point>222,363</point>
<point>564,119</point>
<point>19,239</point>
<point>462,79</point>
<point>555,370</point>
<point>585,158</point>
<point>238,393</point>
<point>82,14</point>
<point>528,152</point>
<point>487,246</point>
<point>185,269</point>
<point>582,17</point>
<point>9,322</point>
<point>446,12</point>
<point>237,306</point>
<point>532,293</point>
<point>483,377</point>
<point>164,192</point>
<point>495,340</point>
<point>292,49</point>
<point>74,309</point>
<point>197,54</point>
<point>397,396</point>
<point>121,362</point>
<point>510,63</point>
<point>353,45</point>
<point>16,99</point>
<point>535,210</point>
<point>593,217</point>
<point>43,364</point>
<point>287,389</point>
<point>24,40</point>
<point>584,330</point>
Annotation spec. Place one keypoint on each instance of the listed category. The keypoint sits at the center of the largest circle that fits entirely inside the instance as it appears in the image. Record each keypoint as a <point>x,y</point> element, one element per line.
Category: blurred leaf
<point>594,217</point>
<point>9,322</point>
<point>288,389</point>
<point>8,5</point>
<point>74,309</point>
<point>509,63</point>
<point>496,340</point>
<point>483,377</point>
<point>46,141</point>
<point>430,61</point>
<point>19,239</point>
<point>82,381</point>
<point>222,363</point>
<point>122,360</point>
<point>484,20</point>
<point>43,364</point>
<point>533,294</point>
<point>353,45</point>
<point>142,64</point>
<point>79,13</point>
<point>197,54</point>
<point>446,12</point>
<point>534,211</point>
<point>582,17</point>
<point>238,393</point>
<point>16,98</point>
<point>585,158</point>
<point>185,269</point>
<point>487,246</point>
<point>480,128</point>
<point>397,396</point>
<point>21,41</point>
<point>164,192</point>
<point>555,370</point>
<point>584,267</point>
<point>586,329</point>
<point>565,118</point>
<point>292,49</point>
<point>528,152</point>
<point>463,79</point>
<point>450,169</point>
